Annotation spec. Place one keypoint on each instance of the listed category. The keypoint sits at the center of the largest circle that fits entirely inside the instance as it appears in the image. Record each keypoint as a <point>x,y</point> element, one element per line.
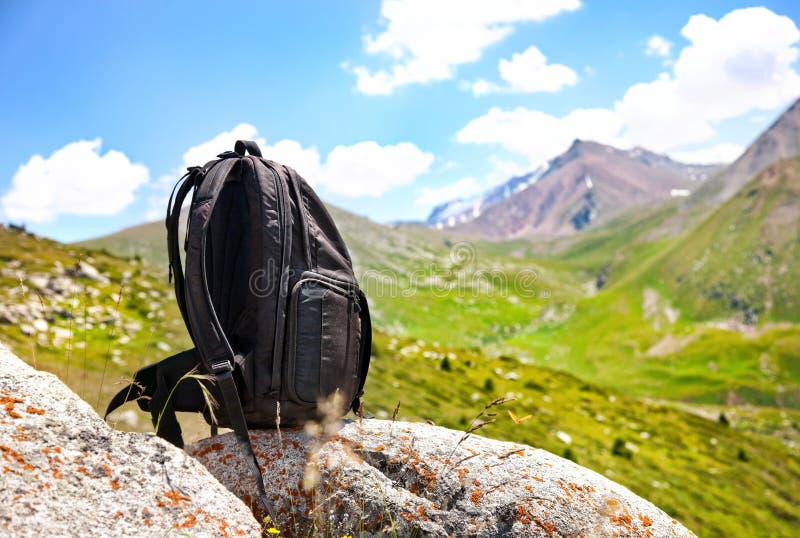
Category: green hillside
<point>721,480</point>
<point>588,333</point>
<point>89,330</point>
<point>146,241</point>
<point>717,479</point>
<point>709,316</point>
<point>744,260</point>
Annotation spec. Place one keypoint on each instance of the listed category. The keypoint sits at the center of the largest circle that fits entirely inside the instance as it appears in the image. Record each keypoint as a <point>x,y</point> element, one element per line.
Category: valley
<point>659,345</point>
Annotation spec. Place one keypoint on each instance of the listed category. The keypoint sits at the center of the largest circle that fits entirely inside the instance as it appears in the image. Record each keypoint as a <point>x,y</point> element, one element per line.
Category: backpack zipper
<point>291,351</point>
<point>283,292</point>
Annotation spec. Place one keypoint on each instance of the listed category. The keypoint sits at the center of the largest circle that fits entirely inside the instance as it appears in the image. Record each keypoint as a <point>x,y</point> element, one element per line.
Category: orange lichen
<point>34,410</point>
<point>189,522</point>
<point>175,497</point>
<point>21,435</point>
<point>114,484</point>
<point>646,522</point>
<point>9,402</point>
<point>546,526</point>
<point>12,455</point>
<point>476,496</point>
<point>523,516</point>
<point>213,447</point>
<point>624,520</point>
<point>107,469</point>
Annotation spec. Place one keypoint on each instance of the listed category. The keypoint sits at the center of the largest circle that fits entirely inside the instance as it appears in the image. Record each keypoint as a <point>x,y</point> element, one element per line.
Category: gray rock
<point>85,270</point>
<point>373,475</point>
<point>39,280</point>
<point>7,316</point>
<point>61,285</point>
<point>64,472</point>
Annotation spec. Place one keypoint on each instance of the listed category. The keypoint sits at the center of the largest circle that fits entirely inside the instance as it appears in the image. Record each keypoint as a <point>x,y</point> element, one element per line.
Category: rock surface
<point>64,472</point>
<point>373,475</point>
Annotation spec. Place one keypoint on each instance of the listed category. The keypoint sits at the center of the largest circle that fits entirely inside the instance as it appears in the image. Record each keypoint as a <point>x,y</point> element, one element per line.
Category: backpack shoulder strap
<point>174,206</point>
<point>216,353</point>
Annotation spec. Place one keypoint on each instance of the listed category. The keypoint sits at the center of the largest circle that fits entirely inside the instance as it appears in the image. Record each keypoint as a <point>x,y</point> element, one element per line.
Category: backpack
<point>270,301</point>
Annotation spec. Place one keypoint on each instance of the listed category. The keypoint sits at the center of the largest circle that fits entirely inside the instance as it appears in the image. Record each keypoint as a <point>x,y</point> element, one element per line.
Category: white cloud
<point>742,63</point>
<point>206,151</point>
<point>426,40</point>
<point>362,169</point>
<point>528,72</point>
<point>462,188</point>
<point>305,160</point>
<point>369,169</point>
<point>74,180</point>
<point>720,153</point>
<point>539,136</point>
<point>503,170</point>
<point>658,46</point>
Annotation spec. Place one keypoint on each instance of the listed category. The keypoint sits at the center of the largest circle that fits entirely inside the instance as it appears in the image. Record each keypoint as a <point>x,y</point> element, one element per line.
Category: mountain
<point>464,209</point>
<point>744,259</point>
<point>589,184</point>
<point>780,141</point>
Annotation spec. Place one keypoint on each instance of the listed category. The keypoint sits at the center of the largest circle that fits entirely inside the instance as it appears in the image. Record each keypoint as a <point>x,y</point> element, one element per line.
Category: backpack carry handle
<point>247,146</point>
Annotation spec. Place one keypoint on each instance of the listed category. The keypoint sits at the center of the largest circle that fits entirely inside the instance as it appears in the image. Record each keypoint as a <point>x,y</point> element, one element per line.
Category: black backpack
<point>269,298</point>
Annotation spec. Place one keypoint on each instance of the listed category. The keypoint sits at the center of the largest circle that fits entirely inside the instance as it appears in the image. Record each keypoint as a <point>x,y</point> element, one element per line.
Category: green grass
<point>104,351</point>
<point>685,464</point>
<point>667,326</point>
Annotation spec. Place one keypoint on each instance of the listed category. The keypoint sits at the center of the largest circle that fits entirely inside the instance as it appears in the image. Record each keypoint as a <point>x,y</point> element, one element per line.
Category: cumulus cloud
<point>717,154</point>
<point>503,170</point>
<point>658,46</point>
<point>427,40</point>
<point>537,135</point>
<point>305,160</point>
<point>74,180</point>
<point>462,188</point>
<point>369,169</point>
<point>741,63</point>
<point>528,72</point>
<point>362,169</point>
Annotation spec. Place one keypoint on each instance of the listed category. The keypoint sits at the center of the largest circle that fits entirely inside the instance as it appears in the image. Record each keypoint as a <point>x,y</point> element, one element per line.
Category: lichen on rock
<point>64,472</point>
<point>372,477</point>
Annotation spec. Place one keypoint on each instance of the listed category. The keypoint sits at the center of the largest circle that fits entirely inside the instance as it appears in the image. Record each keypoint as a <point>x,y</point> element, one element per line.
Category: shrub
<point>445,366</point>
<point>488,385</point>
<point>742,455</point>
<point>723,420</point>
<point>569,454</point>
<point>619,449</point>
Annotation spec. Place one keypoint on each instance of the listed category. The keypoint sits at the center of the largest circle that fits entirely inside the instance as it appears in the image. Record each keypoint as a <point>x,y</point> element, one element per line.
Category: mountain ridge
<point>588,184</point>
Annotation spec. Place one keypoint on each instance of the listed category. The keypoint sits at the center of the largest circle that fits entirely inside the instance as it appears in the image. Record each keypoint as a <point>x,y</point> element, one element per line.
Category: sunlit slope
<point>89,329</point>
<point>709,316</point>
<point>717,480</point>
<point>419,281</point>
<point>744,260</point>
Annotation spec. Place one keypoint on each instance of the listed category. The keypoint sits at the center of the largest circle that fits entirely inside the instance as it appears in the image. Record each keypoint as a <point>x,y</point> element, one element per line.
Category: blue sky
<point>386,107</point>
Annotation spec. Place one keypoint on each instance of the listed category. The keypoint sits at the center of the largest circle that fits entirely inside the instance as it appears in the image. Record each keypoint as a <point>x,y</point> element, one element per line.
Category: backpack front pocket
<point>323,339</point>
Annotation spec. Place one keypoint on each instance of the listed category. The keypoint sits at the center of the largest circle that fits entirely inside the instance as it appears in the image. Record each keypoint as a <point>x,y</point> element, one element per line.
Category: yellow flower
<point>267,519</point>
<point>273,530</point>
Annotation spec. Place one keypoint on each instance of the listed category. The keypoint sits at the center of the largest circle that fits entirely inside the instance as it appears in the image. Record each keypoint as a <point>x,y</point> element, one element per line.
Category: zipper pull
<point>356,306</point>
